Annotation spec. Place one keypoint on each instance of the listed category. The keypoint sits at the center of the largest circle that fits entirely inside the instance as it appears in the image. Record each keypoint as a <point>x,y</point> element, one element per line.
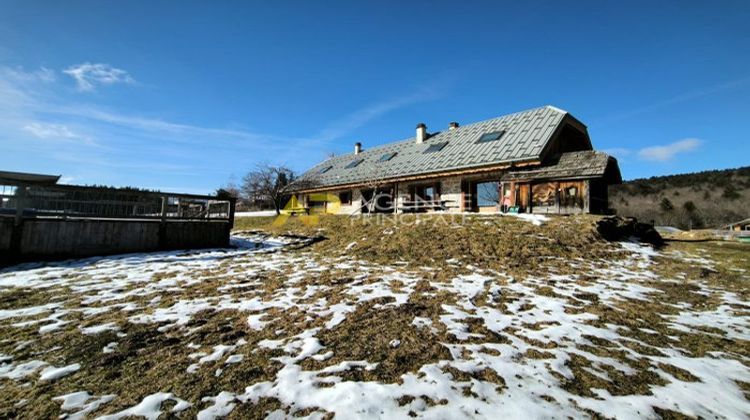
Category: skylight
<point>386,157</point>
<point>436,147</point>
<point>326,169</point>
<point>487,137</point>
<point>354,163</point>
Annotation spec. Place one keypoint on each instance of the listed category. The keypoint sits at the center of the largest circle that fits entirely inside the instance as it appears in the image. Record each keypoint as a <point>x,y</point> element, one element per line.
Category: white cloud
<point>677,99</point>
<point>42,74</point>
<point>669,151</point>
<point>57,133</point>
<point>50,131</point>
<point>361,117</point>
<point>88,75</point>
<point>618,152</point>
<point>67,179</point>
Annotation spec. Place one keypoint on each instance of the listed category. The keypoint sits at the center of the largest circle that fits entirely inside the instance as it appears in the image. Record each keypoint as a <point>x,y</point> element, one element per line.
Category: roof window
<point>386,157</point>
<point>354,163</point>
<point>436,147</point>
<point>488,137</point>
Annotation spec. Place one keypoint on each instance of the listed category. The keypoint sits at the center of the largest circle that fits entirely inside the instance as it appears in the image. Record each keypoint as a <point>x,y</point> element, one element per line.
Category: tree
<point>666,205</point>
<point>272,184</point>
<point>376,176</point>
<point>689,206</point>
<point>224,194</point>
<point>730,192</point>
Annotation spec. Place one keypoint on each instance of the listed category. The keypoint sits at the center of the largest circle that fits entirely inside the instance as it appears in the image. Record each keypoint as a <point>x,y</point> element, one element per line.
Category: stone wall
<point>450,190</point>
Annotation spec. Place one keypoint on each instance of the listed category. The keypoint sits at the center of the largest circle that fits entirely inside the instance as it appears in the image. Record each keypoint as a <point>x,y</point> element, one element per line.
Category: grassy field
<point>416,316</point>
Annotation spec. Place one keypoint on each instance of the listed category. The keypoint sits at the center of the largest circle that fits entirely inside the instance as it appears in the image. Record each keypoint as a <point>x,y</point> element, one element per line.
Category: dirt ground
<point>421,316</point>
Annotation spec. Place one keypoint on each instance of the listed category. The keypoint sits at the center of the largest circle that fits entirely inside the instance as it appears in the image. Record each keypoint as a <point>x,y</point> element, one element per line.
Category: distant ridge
<point>699,199</point>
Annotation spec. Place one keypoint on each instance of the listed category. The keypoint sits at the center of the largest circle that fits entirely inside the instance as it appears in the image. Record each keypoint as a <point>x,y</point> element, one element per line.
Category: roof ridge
<point>461,127</point>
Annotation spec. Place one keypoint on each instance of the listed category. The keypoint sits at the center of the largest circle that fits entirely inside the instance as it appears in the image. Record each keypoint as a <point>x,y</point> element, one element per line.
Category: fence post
<point>164,203</point>
<point>17,232</point>
<point>163,223</point>
<point>20,204</point>
<point>232,207</point>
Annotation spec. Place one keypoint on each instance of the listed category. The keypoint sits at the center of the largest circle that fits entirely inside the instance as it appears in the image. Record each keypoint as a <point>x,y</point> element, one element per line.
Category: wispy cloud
<point>104,141</point>
<point>618,152</point>
<point>317,143</point>
<point>89,75</point>
<point>39,118</point>
<point>357,119</point>
<point>668,152</point>
<point>42,74</point>
<point>51,131</point>
<point>680,98</point>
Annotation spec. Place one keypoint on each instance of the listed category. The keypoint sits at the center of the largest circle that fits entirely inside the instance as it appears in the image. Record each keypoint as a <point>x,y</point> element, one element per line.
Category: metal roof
<point>22,178</point>
<point>570,165</point>
<point>525,137</point>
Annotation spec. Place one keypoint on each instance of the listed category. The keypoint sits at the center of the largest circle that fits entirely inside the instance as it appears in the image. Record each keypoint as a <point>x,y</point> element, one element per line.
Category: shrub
<point>666,205</point>
<point>730,192</point>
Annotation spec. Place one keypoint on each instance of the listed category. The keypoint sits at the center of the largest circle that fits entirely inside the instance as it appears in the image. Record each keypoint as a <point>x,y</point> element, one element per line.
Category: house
<point>538,161</point>
<point>742,225</point>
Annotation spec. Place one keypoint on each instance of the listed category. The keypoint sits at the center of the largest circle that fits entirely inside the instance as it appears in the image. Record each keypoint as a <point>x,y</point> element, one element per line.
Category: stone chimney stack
<point>357,148</point>
<point>421,133</point>
<point>453,125</point>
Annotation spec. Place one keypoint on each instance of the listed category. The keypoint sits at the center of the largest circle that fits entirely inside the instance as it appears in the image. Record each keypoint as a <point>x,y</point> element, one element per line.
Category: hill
<point>432,316</point>
<point>697,200</point>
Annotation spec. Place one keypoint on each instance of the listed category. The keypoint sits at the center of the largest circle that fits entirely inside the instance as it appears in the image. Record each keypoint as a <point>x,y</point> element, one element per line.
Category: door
<point>377,201</point>
<point>522,199</point>
<point>366,205</point>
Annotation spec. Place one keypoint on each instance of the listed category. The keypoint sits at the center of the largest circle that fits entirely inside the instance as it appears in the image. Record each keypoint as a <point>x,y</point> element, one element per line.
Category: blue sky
<point>181,96</point>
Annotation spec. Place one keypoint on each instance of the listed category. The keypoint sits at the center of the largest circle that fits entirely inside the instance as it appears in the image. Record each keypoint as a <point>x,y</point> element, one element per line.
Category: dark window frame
<point>435,147</point>
<point>387,156</point>
<point>418,192</point>
<point>353,164</point>
<point>324,170</point>
<point>491,136</point>
<point>483,200</point>
<point>345,197</point>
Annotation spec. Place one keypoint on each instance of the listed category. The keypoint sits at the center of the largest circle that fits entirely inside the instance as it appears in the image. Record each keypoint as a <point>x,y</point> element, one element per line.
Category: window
<point>324,170</point>
<point>488,194</point>
<point>354,163</point>
<point>570,195</point>
<point>386,157</point>
<point>345,197</point>
<point>436,147</point>
<point>544,194</point>
<point>430,192</point>
<point>487,137</point>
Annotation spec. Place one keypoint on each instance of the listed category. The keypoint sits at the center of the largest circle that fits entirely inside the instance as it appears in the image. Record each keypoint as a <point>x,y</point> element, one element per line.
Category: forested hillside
<point>697,200</point>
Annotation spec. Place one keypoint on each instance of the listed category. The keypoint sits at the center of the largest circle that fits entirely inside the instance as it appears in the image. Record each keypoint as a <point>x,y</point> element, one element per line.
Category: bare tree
<point>376,178</point>
<point>489,194</point>
<point>273,184</point>
<point>230,189</point>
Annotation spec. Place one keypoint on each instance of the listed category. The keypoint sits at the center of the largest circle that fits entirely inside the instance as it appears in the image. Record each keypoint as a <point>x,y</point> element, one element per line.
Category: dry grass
<point>428,256</point>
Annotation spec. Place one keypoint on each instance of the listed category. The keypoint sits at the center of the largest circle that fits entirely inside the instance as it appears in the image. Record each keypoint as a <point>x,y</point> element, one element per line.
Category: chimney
<point>421,133</point>
<point>452,125</point>
<point>357,148</point>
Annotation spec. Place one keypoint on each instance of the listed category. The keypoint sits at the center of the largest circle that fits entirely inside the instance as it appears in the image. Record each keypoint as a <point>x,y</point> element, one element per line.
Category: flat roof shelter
<point>22,178</point>
<point>742,225</point>
<point>40,218</point>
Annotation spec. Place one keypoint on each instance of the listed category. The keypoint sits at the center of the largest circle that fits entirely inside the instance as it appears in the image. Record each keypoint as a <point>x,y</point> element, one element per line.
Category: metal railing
<point>68,201</point>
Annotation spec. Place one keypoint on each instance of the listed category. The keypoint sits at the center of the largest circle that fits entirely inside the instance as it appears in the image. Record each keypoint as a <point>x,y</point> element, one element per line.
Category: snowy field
<point>262,331</point>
